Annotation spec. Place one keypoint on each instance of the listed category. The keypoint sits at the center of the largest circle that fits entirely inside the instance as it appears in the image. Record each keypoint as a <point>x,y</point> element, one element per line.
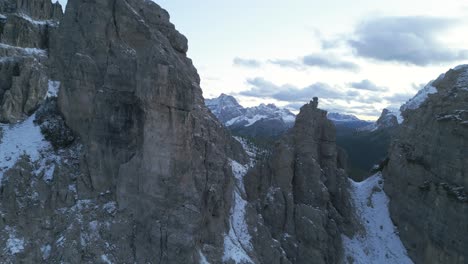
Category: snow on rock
<point>105,259</point>
<point>53,88</point>
<point>25,138</point>
<point>25,51</point>
<point>379,241</point>
<point>421,96</point>
<point>21,139</point>
<point>337,117</point>
<point>203,259</point>
<point>14,245</point>
<point>35,22</point>
<point>397,113</point>
<point>237,243</point>
<point>248,120</point>
<point>45,250</point>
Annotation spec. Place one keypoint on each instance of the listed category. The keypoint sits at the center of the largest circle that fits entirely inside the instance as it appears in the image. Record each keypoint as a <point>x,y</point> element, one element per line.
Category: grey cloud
<point>353,93</point>
<point>296,97</point>
<point>266,89</point>
<point>249,63</point>
<point>294,106</point>
<point>398,98</point>
<point>287,64</point>
<point>321,90</point>
<point>329,62</point>
<point>410,40</point>
<point>316,60</point>
<point>368,86</point>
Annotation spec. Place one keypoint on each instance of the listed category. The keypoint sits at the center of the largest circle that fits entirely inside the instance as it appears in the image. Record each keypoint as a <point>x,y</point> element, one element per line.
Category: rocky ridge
<point>426,176</point>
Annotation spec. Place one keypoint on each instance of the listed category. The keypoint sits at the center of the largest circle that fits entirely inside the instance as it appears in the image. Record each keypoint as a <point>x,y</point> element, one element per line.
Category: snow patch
<point>203,259</point>
<point>25,51</point>
<point>14,245</point>
<point>35,22</point>
<point>420,97</point>
<point>379,241</point>
<point>21,139</point>
<point>45,250</point>
<point>53,89</point>
<point>105,259</point>
<point>237,243</point>
<point>397,113</point>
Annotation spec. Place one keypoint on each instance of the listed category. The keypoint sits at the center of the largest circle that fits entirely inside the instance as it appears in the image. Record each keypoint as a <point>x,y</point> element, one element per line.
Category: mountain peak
<point>339,117</point>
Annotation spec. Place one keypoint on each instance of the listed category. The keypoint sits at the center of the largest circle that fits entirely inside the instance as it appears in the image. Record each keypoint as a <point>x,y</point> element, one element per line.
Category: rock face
<point>131,167</point>
<point>427,173</point>
<point>301,195</point>
<point>134,99</point>
<point>25,30</point>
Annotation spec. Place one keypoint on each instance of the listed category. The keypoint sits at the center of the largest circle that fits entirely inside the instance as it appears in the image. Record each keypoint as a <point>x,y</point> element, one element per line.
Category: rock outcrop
<point>427,173</point>
<point>25,30</point>
<point>301,195</point>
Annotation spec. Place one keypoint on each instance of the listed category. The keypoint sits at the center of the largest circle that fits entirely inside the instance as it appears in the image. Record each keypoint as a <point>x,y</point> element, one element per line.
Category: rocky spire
<point>301,194</point>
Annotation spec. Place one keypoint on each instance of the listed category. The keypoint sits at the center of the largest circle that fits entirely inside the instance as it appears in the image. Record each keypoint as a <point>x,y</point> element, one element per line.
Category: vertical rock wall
<point>131,93</point>
<point>427,174</point>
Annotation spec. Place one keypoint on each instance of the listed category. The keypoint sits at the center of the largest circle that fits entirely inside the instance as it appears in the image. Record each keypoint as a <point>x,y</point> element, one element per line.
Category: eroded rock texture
<point>301,195</point>
<point>427,174</point>
<point>134,98</point>
<point>25,30</point>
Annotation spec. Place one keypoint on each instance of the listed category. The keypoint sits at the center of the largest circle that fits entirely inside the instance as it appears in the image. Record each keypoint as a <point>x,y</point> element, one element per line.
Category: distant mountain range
<point>266,120</point>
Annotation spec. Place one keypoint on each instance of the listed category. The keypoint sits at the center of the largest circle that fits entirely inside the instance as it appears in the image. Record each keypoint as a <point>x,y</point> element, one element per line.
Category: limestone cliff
<point>427,173</point>
<point>146,177</point>
<point>25,30</point>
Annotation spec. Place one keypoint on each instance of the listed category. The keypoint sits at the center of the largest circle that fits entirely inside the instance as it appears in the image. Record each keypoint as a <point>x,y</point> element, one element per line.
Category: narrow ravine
<point>237,243</point>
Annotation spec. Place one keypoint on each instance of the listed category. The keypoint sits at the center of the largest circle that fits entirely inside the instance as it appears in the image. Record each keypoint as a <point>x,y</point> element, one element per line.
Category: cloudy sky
<point>357,56</point>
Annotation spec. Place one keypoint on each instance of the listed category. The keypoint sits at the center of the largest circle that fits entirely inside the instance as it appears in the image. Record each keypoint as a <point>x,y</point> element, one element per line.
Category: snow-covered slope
<point>421,96</point>
<point>237,243</point>
<point>378,242</point>
<point>25,138</point>
<point>267,112</point>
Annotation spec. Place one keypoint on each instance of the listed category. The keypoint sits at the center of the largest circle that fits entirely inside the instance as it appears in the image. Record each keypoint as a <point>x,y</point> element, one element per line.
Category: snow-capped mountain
<point>390,117</point>
<point>265,120</point>
<point>337,117</point>
<point>268,112</point>
<point>225,107</point>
